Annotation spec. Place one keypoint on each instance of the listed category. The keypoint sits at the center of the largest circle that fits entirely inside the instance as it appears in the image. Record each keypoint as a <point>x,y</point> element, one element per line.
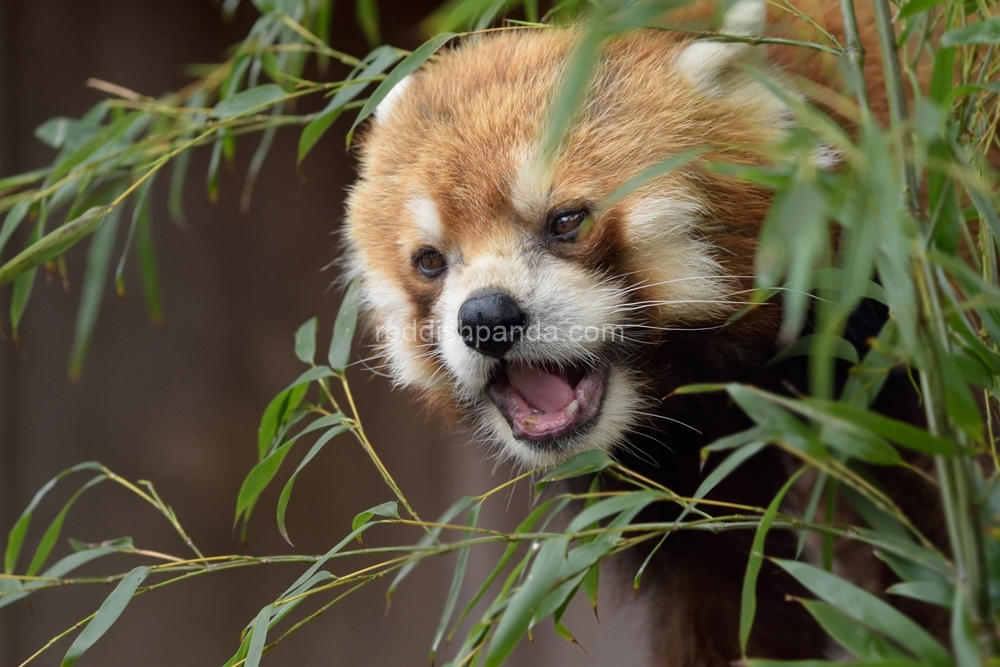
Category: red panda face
<point>508,285</point>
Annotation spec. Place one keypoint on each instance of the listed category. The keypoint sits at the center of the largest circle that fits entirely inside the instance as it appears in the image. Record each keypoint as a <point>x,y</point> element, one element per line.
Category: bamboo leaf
<point>53,244</point>
<point>248,101</point>
<point>748,599</point>
<point>932,592</point>
<point>12,221</point>
<point>858,639</point>
<point>344,327</point>
<point>389,510</point>
<point>456,583</point>
<point>585,463</point>
<point>914,7</point>
<point>409,64</point>
<point>305,341</point>
<point>94,285</point>
<point>525,602</point>
<point>283,405</point>
<point>51,534</point>
<point>107,614</point>
<point>870,610</point>
<point>258,637</point>
<point>366,11</point>
<point>381,59</point>
<point>286,492</point>
<point>980,32</point>
<point>15,538</point>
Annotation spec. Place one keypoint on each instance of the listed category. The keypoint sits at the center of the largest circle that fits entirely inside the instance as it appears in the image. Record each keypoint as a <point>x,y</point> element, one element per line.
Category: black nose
<point>490,322</point>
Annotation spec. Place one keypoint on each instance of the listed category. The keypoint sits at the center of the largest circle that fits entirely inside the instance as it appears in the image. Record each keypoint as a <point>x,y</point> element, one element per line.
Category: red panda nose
<point>490,322</point>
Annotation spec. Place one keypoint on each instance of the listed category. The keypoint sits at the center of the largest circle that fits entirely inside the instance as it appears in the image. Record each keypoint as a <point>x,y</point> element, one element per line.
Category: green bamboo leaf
<point>858,639</point>
<point>261,474</point>
<point>380,60</point>
<point>53,244</point>
<point>456,583</point>
<point>344,327</point>
<point>860,444</point>
<point>248,101</point>
<point>523,604</point>
<point>839,415</point>
<point>748,599</point>
<point>283,406</point>
<point>389,510</point>
<point>258,637</point>
<point>932,592</point>
<point>286,607</point>
<point>428,539</point>
<point>68,133</point>
<point>314,568</point>
<point>107,614</point>
<point>764,409</point>
<point>61,568</point>
<point>15,538</point>
<point>633,501</point>
<point>305,341</point>
<point>870,610</point>
<point>980,32</point>
<point>366,12</point>
<point>92,294</point>
<point>24,178</point>
<point>914,7</point>
<point>555,602</point>
<point>409,64</point>
<point>525,526</point>
<point>12,221</point>
<point>721,471</point>
<point>51,534</point>
<point>963,410</point>
<point>963,634</point>
<point>865,381</point>
<point>286,492</point>
<point>903,434</point>
<point>737,439</point>
<point>842,349</point>
<point>258,478</point>
<point>585,463</point>
<point>146,255</point>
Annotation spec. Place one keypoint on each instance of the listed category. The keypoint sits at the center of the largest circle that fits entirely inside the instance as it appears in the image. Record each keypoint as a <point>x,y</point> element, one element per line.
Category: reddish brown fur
<point>462,133</point>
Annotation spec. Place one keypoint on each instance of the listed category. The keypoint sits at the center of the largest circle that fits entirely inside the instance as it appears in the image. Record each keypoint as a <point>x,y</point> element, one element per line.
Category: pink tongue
<point>542,390</point>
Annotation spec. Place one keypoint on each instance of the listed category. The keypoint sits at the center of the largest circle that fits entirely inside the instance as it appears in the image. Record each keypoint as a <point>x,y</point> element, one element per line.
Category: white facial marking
<point>425,214</point>
<point>385,107</point>
<point>531,185</point>
<point>826,157</point>
<point>683,277</point>
<point>704,61</point>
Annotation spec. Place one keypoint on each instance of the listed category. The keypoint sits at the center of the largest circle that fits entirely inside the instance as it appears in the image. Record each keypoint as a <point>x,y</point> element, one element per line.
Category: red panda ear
<point>391,100</point>
<point>713,65</point>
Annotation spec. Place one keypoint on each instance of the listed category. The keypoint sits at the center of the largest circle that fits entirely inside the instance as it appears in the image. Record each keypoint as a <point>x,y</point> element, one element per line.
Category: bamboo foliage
<point>915,207</point>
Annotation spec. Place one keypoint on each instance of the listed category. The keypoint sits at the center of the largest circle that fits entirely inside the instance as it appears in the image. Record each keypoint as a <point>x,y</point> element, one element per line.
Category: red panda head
<point>508,284</point>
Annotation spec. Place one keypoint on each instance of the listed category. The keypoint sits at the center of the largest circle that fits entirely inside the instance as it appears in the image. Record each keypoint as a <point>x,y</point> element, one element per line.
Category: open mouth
<point>542,402</point>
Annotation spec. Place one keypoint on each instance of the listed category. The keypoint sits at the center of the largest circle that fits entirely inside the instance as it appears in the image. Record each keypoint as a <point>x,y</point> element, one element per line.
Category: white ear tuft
<point>705,62</point>
<point>390,101</point>
<point>746,18</point>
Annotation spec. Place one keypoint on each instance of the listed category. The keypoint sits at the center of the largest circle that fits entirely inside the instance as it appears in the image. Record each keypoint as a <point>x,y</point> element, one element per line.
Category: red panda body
<point>519,289</point>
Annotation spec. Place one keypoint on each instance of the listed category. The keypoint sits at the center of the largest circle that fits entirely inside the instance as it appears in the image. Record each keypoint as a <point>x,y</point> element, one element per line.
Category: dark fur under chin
<point>696,578</point>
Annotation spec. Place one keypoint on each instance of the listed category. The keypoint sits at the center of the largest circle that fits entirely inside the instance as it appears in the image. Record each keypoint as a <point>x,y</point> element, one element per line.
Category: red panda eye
<point>564,224</point>
<point>430,262</point>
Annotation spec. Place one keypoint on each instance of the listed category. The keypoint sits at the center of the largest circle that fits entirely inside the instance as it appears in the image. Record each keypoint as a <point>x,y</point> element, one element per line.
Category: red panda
<point>502,286</point>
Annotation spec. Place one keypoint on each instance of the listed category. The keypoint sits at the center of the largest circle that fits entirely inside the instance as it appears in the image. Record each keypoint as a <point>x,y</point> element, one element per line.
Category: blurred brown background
<point>179,404</point>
